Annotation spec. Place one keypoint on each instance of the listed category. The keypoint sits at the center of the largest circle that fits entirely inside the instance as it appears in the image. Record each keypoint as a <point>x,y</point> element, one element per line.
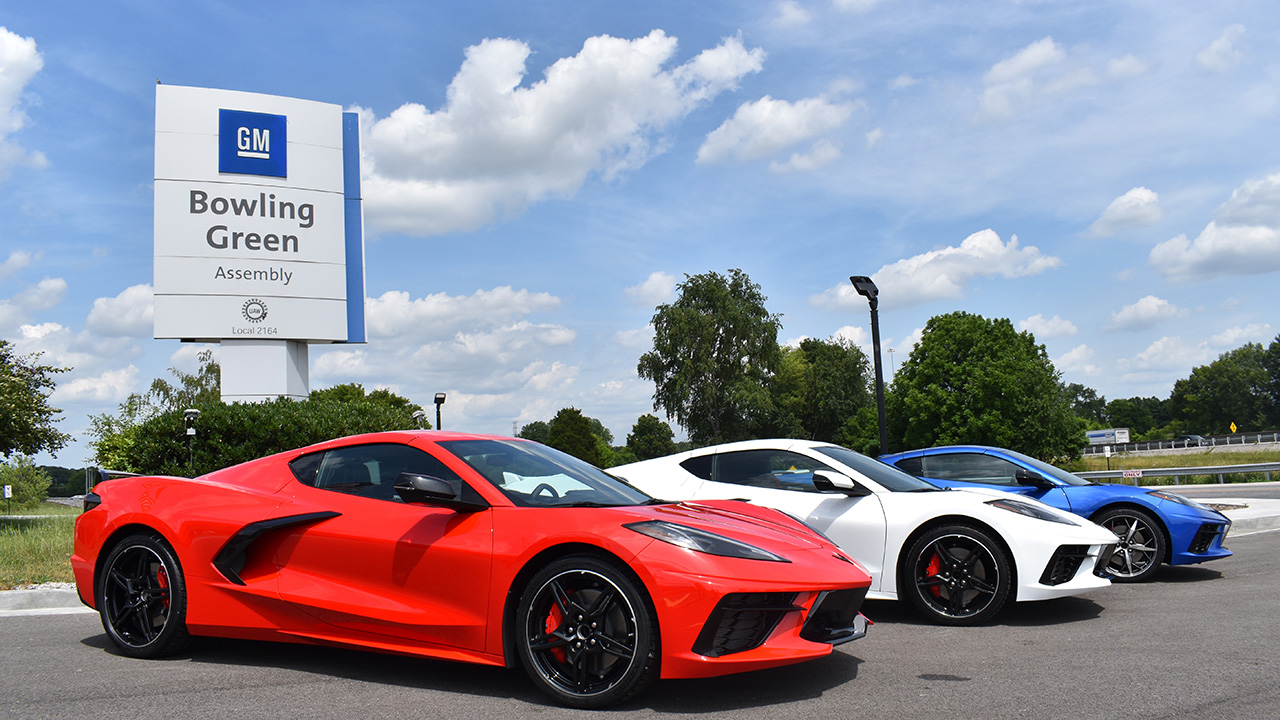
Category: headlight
<point>1026,508</point>
<point>1181,500</point>
<point>701,541</point>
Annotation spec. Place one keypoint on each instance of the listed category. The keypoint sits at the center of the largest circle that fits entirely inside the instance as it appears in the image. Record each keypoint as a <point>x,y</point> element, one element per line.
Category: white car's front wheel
<point>956,575</point>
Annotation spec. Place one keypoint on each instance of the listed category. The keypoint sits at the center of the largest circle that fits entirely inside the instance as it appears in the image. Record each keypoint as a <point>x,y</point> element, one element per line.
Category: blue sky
<point>539,176</point>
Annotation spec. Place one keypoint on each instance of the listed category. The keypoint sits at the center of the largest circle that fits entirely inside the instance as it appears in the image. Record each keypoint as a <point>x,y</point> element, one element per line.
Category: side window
<point>699,467</point>
<point>777,469</point>
<point>367,470</point>
<point>911,466</point>
<point>970,467</point>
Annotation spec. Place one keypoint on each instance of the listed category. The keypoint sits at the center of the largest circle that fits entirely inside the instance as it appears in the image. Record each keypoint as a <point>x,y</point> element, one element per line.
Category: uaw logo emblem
<point>251,143</point>
<point>255,311</point>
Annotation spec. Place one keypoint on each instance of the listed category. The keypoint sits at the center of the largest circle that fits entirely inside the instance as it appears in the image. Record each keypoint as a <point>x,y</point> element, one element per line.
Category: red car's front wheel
<point>588,632</point>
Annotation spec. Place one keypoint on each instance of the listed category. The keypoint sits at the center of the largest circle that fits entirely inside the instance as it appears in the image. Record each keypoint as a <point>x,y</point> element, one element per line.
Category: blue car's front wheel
<point>1141,547</point>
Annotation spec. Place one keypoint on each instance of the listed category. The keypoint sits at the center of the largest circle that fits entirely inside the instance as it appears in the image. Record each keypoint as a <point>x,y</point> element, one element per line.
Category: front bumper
<point>720,616</point>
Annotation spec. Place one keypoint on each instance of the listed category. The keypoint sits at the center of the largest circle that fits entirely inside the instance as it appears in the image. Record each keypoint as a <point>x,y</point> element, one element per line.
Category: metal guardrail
<point>1212,441</point>
<point>1220,470</point>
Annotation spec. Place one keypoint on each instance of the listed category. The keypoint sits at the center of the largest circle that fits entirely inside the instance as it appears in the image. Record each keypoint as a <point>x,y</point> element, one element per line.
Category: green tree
<point>650,438</point>
<point>536,431</point>
<point>353,392</point>
<point>1130,413</point>
<point>714,350</point>
<point>974,380</point>
<point>1087,404</point>
<point>821,385</point>
<point>231,433</point>
<point>30,484</point>
<point>26,419</point>
<point>1235,388</point>
<point>570,431</point>
<point>115,435</point>
<point>1272,364</point>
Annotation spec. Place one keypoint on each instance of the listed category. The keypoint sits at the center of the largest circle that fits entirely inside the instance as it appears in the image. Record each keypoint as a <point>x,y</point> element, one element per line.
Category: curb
<point>41,601</point>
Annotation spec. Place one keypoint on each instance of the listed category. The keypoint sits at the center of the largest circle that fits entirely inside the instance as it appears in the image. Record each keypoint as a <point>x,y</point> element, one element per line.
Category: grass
<point>1210,457</point>
<point>36,550</point>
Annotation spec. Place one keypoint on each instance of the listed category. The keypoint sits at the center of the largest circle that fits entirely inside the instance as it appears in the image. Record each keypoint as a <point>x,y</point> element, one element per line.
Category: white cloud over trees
<point>498,146</point>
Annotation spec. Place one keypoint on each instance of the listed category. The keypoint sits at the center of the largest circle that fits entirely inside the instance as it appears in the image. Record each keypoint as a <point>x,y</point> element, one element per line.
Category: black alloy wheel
<point>588,633</point>
<point>142,598</point>
<point>1141,547</point>
<point>957,575</point>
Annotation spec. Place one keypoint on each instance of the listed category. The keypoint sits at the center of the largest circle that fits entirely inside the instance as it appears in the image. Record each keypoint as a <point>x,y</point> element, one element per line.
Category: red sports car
<point>464,547</point>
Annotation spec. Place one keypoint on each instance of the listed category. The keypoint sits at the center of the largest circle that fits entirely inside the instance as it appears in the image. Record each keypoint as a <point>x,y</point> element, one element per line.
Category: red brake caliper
<point>935,564</point>
<point>162,579</point>
<point>554,619</point>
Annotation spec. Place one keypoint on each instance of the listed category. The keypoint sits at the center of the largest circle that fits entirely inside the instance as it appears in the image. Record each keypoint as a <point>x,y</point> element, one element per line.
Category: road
<point>1270,491</point>
<point>1199,642</point>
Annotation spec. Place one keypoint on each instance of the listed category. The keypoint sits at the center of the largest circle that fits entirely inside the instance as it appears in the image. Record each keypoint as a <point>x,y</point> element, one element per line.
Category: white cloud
<point>1145,313</point>
<point>17,260</point>
<point>822,153</point>
<point>768,126</point>
<point>1135,208</point>
<point>1171,353</point>
<point>1243,240</point>
<point>854,6</point>
<point>659,288</point>
<point>19,63</point>
<point>791,13</point>
<point>1255,202</point>
<point>128,314</point>
<point>1221,55</point>
<point>1012,79</point>
<point>111,386</point>
<point>497,147</point>
<point>34,298</point>
<point>1052,327</point>
<point>1234,337</point>
<point>902,81</point>
<point>945,273</point>
<point>1126,67</point>
<point>1039,70</point>
<point>873,137</point>
<point>1219,251</point>
<point>639,338</point>
<point>395,314</point>
<point>1077,361</point>
<point>855,334</point>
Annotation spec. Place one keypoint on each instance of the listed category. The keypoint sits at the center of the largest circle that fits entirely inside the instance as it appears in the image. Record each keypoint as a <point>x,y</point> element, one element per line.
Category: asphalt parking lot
<point>1199,642</point>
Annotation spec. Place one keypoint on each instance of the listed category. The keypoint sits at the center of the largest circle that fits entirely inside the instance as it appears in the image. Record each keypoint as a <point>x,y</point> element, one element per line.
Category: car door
<point>383,566</point>
<point>977,469</point>
<point>783,479</point>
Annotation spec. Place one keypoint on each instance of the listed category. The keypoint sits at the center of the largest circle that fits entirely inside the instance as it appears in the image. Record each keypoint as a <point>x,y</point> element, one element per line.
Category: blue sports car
<point>1154,526</point>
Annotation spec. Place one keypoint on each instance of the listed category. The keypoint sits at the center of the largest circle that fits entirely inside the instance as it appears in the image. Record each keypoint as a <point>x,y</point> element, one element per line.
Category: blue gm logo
<point>251,143</point>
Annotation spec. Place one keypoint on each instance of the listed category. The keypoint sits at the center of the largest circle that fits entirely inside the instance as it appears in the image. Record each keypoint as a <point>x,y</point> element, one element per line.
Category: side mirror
<point>1031,479</point>
<point>431,490</point>
<point>829,481</point>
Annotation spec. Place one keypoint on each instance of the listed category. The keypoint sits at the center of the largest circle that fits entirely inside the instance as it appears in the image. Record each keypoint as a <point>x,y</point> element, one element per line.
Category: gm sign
<point>251,143</point>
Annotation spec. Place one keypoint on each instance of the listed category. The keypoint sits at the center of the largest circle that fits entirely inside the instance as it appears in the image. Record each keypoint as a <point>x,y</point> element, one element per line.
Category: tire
<point>587,633</point>
<point>142,598</point>
<point>956,575</point>
<point>1142,547</point>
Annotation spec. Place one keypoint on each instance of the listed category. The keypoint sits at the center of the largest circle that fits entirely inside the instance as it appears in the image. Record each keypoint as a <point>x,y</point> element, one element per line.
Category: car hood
<point>761,526</point>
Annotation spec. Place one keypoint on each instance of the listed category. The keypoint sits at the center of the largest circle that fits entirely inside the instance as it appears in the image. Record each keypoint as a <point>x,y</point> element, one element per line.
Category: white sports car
<point>957,555</point>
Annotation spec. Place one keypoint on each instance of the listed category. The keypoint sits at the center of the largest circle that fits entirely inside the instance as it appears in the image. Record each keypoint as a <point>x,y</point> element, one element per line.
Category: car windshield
<point>888,476</point>
<point>533,475</point>
<point>1048,470</point>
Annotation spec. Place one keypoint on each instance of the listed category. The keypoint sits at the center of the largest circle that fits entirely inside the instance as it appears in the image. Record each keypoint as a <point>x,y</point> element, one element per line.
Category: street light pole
<point>867,289</point>
<point>439,402</point>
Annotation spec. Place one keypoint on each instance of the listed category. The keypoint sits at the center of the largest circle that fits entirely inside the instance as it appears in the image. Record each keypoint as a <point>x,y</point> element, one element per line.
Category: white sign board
<point>8,491</point>
<point>257,229</point>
